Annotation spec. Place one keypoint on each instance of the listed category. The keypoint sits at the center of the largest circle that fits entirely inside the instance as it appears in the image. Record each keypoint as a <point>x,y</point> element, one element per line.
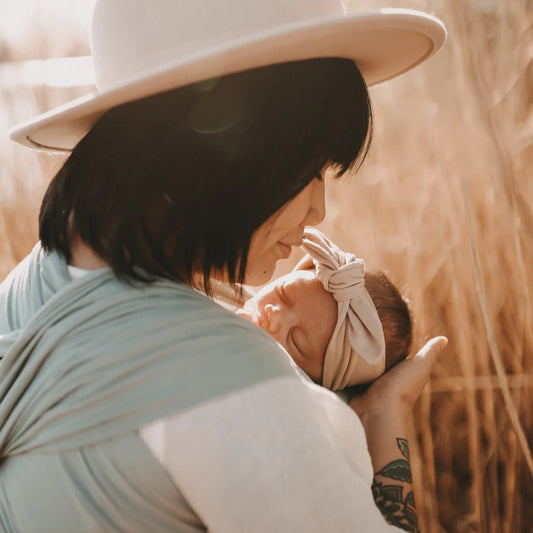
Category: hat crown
<point>131,37</point>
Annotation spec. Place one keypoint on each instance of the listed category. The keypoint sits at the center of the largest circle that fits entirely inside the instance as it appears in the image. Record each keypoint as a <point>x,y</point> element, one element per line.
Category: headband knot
<point>356,351</point>
<point>345,281</point>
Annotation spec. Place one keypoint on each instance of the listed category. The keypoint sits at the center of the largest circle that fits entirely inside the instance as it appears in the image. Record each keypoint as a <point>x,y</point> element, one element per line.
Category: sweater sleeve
<point>283,455</point>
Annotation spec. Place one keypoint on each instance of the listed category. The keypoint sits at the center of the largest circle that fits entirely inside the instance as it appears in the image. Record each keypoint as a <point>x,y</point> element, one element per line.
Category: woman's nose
<point>317,203</point>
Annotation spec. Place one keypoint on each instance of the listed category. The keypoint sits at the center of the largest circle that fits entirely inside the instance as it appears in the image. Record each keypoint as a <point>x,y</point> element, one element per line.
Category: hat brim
<point>383,44</point>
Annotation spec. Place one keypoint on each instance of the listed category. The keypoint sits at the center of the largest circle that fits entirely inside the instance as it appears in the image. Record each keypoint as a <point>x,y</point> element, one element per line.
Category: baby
<point>340,325</point>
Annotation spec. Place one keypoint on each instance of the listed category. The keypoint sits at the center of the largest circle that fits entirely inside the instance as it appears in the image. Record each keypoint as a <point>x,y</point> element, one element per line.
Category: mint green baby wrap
<point>84,363</point>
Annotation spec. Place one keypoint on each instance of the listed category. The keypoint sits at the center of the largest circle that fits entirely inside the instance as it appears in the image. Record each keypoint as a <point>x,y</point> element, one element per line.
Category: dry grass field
<point>444,202</point>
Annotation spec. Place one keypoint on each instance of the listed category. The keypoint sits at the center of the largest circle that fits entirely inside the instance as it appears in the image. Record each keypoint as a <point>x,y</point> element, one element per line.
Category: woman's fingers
<point>432,348</point>
<point>400,387</point>
<point>422,363</point>
<point>417,370</point>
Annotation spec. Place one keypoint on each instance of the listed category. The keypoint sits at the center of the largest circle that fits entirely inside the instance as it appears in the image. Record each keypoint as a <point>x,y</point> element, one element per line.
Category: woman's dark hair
<point>393,311</point>
<point>175,184</point>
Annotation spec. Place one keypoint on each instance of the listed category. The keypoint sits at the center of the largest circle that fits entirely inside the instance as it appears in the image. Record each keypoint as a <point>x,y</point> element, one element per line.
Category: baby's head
<point>394,315</point>
<point>300,314</point>
<point>343,329</point>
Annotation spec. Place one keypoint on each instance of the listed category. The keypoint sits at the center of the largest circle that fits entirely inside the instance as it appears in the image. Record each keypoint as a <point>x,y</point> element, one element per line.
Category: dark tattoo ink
<point>389,498</point>
<point>404,448</point>
<point>399,470</point>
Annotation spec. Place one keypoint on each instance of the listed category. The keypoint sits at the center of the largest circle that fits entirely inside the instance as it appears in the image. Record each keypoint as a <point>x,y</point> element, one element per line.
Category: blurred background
<point>444,203</point>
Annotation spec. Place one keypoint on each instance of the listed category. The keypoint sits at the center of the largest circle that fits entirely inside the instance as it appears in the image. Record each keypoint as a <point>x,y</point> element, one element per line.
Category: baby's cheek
<point>314,367</point>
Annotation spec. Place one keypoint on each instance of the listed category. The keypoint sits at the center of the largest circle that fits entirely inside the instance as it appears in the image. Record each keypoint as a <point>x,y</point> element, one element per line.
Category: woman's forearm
<point>384,410</point>
<point>392,486</point>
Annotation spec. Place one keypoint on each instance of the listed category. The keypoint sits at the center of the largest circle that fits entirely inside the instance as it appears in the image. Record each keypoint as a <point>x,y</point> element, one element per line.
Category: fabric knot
<point>356,351</point>
<point>344,283</point>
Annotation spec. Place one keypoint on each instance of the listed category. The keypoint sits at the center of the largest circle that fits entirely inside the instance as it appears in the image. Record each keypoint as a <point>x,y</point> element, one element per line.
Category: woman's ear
<point>305,263</point>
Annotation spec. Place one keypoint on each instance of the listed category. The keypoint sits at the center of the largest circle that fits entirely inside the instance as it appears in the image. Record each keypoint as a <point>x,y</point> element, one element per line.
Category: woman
<point>130,401</point>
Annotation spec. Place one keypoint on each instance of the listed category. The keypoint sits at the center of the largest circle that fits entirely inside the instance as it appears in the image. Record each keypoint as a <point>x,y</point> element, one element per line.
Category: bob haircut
<point>175,184</point>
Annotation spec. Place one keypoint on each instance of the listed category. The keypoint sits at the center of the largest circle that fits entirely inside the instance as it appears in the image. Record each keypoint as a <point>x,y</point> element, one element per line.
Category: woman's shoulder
<point>189,321</point>
<point>185,306</point>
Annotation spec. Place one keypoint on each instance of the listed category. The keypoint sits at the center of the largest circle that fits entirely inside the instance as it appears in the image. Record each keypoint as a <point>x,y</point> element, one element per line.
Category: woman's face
<point>274,239</point>
<point>301,316</point>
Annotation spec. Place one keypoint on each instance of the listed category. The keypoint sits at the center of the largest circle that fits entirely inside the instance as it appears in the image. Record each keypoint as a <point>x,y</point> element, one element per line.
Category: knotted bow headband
<point>356,351</point>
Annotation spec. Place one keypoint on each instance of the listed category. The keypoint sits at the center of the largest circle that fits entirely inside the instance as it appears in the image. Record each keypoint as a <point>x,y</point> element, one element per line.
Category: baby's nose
<point>275,319</point>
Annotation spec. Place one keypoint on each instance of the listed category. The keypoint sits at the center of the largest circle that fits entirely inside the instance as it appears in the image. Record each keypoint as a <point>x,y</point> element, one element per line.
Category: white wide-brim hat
<point>143,47</point>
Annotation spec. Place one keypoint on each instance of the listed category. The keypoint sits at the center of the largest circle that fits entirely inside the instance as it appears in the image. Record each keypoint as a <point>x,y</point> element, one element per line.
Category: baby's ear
<point>305,263</point>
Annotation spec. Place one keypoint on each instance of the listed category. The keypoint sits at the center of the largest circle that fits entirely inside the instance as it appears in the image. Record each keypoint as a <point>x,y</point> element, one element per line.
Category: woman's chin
<point>255,277</point>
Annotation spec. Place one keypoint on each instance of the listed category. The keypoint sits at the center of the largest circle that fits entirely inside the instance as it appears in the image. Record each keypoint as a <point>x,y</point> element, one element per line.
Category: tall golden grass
<point>444,202</point>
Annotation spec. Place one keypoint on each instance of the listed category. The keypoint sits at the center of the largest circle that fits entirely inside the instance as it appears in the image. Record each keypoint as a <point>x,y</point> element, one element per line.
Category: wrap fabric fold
<point>356,351</point>
<point>94,358</point>
<point>83,364</point>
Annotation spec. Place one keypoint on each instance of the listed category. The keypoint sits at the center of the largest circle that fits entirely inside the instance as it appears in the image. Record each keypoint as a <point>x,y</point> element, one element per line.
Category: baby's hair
<point>393,311</point>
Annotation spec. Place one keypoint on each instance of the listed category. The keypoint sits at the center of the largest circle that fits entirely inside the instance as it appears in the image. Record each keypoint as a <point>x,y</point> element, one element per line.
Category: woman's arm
<point>282,456</point>
<point>392,484</point>
<point>384,410</point>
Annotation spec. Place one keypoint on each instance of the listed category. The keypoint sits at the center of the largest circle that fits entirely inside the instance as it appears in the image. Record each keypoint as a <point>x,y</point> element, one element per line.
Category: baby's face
<point>300,314</point>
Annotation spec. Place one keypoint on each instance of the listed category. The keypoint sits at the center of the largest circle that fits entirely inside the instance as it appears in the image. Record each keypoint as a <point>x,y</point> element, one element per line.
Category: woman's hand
<point>398,389</point>
<point>384,409</point>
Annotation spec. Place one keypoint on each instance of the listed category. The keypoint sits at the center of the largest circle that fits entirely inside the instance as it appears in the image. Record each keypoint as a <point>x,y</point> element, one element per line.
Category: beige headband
<point>356,351</point>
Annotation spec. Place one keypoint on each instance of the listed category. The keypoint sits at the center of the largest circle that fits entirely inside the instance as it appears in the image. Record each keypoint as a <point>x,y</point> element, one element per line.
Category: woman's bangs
<point>346,130</point>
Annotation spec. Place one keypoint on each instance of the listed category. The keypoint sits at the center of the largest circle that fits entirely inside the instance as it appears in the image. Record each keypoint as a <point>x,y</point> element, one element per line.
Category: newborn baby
<point>342,327</point>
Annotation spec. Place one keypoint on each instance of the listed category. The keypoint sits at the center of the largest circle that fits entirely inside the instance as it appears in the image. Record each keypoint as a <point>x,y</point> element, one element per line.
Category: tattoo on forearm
<point>397,510</point>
